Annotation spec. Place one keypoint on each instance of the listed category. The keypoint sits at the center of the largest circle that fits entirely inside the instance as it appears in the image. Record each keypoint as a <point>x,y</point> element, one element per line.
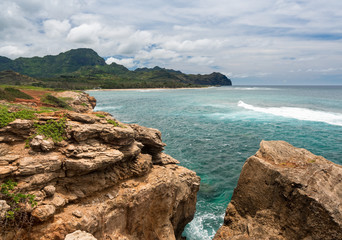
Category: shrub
<point>58,102</point>
<point>6,117</point>
<point>52,129</point>
<point>17,216</point>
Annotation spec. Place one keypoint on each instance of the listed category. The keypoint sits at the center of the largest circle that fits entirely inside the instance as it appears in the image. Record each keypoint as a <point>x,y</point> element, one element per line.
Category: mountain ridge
<point>83,68</point>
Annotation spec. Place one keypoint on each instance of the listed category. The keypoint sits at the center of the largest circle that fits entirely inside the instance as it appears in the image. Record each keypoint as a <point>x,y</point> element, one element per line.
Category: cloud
<point>11,51</point>
<point>244,38</point>
<point>55,29</point>
<point>127,62</point>
<point>85,33</point>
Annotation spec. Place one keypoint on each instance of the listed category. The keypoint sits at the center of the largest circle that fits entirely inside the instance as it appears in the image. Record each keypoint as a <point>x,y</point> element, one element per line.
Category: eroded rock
<point>285,193</point>
<point>101,178</point>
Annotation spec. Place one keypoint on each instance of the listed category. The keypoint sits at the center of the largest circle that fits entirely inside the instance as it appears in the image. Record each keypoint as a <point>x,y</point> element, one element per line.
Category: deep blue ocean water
<point>214,130</point>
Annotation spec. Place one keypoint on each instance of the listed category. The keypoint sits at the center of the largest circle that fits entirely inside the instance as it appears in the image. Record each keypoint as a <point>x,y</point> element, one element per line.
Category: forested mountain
<point>84,69</point>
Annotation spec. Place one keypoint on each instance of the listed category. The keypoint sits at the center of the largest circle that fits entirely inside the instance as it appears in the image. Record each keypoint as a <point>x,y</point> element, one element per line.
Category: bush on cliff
<point>6,117</point>
<point>58,102</point>
<point>52,129</point>
<point>16,214</point>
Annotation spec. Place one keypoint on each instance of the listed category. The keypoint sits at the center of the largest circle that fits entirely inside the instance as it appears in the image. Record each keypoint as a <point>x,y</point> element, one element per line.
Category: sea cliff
<point>94,174</point>
<point>285,192</point>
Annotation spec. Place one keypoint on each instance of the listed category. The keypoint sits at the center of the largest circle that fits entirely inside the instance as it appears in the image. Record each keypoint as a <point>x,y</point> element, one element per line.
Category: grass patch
<point>6,117</point>
<point>100,115</point>
<point>10,94</point>
<point>57,102</point>
<point>113,122</point>
<point>52,129</point>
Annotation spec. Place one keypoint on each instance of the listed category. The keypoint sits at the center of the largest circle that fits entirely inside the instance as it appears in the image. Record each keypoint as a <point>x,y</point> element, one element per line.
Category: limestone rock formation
<point>285,193</point>
<point>107,178</point>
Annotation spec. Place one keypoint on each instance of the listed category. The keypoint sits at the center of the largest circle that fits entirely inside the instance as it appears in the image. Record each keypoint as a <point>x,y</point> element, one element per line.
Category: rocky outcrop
<point>285,193</point>
<point>79,101</point>
<point>107,178</point>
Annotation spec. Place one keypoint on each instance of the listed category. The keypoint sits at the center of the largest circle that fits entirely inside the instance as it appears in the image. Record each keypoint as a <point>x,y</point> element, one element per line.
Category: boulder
<point>285,193</point>
<point>4,207</point>
<point>39,143</point>
<point>85,118</point>
<point>79,235</point>
<point>49,190</point>
<point>43,212</point>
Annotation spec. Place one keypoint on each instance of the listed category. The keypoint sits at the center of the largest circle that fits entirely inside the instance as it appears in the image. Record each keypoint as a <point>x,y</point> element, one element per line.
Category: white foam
<point>106,108</point>
<point>298,113</point>
<point>196,229</point>
<point>249,88</point>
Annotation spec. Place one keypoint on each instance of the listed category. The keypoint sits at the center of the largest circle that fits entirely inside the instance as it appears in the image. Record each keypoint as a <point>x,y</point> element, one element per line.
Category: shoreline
<point>139,89</point>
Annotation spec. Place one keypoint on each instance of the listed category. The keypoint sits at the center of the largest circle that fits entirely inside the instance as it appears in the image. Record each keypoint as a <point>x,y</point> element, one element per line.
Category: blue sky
<point>252,42</point>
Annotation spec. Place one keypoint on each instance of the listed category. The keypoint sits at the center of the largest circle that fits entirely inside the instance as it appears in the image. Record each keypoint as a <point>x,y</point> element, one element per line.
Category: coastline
<point>140,89</point>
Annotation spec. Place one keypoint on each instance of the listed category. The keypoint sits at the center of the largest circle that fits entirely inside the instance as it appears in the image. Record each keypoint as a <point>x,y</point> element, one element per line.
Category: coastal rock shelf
<point>285,193</point>
<point>106,178</point>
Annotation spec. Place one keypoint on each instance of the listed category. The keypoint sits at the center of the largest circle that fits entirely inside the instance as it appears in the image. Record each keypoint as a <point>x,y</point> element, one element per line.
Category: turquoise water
<point>213,131</point>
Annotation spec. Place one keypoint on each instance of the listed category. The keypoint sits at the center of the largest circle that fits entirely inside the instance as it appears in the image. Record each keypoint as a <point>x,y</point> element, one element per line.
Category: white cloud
<point>127,62</point>
<point>246,38</point>
<point>55,29</point>
<point>85,33</point>
<point>11,51</point>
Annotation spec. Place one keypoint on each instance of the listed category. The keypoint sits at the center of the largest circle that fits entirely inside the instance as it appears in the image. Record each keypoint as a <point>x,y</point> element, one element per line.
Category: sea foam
<point>297,113</point>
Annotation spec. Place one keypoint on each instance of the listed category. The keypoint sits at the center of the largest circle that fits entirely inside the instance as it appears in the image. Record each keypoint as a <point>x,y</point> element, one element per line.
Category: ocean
<point>212,131</point>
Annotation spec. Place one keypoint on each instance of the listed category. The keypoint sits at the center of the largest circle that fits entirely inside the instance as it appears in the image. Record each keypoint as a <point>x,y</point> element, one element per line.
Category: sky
<point>253,42</point>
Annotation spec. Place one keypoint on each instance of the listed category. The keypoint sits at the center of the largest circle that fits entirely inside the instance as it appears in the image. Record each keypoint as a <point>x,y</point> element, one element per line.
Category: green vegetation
<point>52,129</point>
<point>114,123</point>
<point>14,78</point>
<point>111,121</point>
<point>10,94</point>
<point>17,216</point>
<point>54,101</point>
<point>6,117</point>
<point>85,69</point>
<point>100,115</point>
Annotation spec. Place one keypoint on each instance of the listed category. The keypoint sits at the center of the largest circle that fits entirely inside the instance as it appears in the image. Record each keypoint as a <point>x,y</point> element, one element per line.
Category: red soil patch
<point>36,94</point>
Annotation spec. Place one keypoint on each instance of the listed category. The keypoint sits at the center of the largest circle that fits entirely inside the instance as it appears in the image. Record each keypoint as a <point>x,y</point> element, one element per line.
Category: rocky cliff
<point>285,193</point>
<point>87,171</point>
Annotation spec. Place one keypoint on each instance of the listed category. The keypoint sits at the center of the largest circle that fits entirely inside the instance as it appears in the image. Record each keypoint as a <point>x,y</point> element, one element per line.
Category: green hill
<point>84,69</point>
<point>10,77</point>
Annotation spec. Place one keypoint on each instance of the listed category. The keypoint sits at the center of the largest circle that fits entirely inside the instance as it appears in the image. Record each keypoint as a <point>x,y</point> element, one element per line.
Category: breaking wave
<point>298,113</point>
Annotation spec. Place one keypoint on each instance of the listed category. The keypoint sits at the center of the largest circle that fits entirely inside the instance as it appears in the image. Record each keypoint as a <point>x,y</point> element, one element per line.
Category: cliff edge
<point>285,193</point>
<point>63,171</point>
